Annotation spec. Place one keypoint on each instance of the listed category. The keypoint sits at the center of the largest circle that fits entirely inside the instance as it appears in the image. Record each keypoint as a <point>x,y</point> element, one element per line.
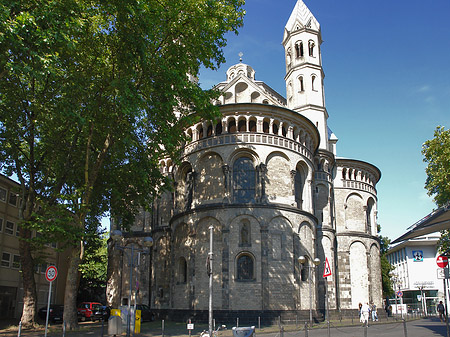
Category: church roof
<point>301,17</point>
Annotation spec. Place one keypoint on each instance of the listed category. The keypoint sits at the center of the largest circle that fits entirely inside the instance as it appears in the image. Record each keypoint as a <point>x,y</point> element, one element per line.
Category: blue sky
<point>387,85</point>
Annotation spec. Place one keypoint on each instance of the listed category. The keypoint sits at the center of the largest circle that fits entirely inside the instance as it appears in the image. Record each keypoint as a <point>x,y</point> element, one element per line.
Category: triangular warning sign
<point>327,269</point>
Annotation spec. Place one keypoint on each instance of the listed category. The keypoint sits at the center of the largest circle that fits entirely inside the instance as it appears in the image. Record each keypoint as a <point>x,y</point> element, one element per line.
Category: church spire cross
<point>240,56</point>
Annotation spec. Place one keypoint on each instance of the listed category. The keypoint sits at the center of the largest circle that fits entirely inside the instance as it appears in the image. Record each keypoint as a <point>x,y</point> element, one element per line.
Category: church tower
<point>304,73</point>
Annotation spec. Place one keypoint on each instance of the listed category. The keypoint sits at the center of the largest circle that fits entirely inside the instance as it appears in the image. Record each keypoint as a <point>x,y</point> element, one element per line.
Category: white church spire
<point>304,74</point>
<point>301,17</point>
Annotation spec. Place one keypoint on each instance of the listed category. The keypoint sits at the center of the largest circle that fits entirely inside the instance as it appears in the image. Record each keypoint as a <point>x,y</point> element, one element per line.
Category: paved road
<point>420,328</point>
<point>427,327</point>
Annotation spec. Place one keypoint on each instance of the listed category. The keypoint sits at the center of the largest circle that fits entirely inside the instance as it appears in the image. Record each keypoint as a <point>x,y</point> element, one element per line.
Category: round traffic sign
<point>51,273</point>
<point>399,293</point>
<point>442,261</point>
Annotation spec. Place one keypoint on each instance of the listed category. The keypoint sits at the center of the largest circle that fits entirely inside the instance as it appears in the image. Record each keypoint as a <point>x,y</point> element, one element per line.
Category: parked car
<point>102,313</point>
<point>90,311</point>
<point>55,313</point>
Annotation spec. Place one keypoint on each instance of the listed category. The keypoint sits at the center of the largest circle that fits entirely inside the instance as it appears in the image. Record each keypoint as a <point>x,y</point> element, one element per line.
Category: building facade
<point>11,289</point>
<point>267,178</point>
<point>416,274</point>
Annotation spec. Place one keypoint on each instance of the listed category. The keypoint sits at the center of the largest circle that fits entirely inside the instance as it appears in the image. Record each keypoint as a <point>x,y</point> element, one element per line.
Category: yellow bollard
<point>115,312</point>
<point>137,322</point>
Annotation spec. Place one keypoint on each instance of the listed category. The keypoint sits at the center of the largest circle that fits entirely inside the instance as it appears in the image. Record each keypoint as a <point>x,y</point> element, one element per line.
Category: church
<point>281,205</point>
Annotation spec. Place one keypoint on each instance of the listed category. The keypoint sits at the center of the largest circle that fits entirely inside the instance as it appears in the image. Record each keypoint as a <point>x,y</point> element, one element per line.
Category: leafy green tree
<point>92,95</point>
<point>436,153</point>
<point>386,267</point>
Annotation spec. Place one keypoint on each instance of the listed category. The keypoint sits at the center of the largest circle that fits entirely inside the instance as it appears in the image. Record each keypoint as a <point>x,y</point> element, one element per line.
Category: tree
<point>386,267</point>
<point>436,153</point>
<point>92,95</point>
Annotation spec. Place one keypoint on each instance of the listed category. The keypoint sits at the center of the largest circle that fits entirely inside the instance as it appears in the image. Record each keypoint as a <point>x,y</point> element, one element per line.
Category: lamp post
<point>302,260</point>
<point>117,235</point>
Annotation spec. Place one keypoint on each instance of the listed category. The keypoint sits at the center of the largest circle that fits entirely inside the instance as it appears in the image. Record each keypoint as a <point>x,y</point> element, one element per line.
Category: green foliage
<point>94,267</point>
<point>386,267</point>
<point>94,93</point>
<point>437,154</point>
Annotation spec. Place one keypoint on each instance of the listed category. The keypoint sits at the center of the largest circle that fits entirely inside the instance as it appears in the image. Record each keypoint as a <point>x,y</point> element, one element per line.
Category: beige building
<point>266,176</point>
<point>11,289</point>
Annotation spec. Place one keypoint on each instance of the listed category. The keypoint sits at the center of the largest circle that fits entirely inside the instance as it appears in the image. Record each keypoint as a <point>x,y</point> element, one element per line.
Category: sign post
<point>442,262</point>
<point>326,273</point>
<point>50,274</point>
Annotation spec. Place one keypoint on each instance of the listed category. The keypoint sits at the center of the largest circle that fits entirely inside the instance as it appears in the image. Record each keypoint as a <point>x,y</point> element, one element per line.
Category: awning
<point>434,222</point>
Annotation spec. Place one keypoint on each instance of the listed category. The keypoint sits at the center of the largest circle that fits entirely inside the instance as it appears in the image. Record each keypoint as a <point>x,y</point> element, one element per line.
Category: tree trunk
<point>70,295</point>
<point>29,284</point>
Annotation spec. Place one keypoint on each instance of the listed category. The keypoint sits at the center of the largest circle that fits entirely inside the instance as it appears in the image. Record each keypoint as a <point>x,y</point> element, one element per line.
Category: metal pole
<point>48,306</point>
<point>446,312</point>
<point>20,329</point>
<point>310,296</point>
<point>211,228</point>
<point>404,328</point>
<point>131,289</point>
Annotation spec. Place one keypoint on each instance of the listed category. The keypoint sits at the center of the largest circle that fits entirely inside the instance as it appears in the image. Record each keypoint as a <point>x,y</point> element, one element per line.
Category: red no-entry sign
<point>442,261</point>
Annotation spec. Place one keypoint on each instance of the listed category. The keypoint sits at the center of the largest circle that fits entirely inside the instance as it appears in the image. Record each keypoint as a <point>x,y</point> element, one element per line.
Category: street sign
<point>399,293</point>
<point>51,273</point>
<point>326,269</point>
<point>190,326</point>
<point>442,261</point>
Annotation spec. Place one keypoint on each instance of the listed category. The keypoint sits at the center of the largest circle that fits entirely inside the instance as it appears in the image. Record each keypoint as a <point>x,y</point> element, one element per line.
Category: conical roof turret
<point>301,17</point>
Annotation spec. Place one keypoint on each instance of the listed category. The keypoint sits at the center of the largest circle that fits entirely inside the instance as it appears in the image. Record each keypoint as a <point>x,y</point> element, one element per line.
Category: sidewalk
<point>418,328</point>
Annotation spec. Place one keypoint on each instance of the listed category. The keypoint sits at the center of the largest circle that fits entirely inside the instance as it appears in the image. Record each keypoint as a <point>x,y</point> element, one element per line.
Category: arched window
<point>209,131</point>
<point>302,87</point>
<point>299,49</point>
<point>311,48</point>
<point>244,234</point>
<point>242,125</point>
<point>252,126</point>
<point>219,128</point>
<point>244,178</point>
<point>200,132</point>
<point>275,129</point>
<point>313,80</point>
<point>305,271</point>
<point>244,267</point>
<point>283,131</point>
<point>298,189</point>
<point>182,270</point>
<point>232,126</point>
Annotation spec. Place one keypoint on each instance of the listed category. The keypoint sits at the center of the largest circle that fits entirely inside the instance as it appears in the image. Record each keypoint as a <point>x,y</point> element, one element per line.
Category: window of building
<point>12,199</point>
<point>275,129</point>
<point>2,194</point>
<point>209,131</point>
<point>182,268</point>
<point>298,188</point>
<point>252,126</point>
<point>1,225</point>
<point>266,127</point>
<point>313,80</point>
<point>232,127</point>
<point>16,261</point>
<point>242,125</point>
<point>302,87</point>
<point>311,48</point>
<point>9,228</point>
<point>244,234</point>
<point>244,178</point>
<point>299,49</point>
<point>6,260</point>
<point>219,128</point>
<point>244,268</point>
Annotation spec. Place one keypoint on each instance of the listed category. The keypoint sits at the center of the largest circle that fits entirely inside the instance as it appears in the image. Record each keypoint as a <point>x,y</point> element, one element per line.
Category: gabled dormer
<point>241,87</point>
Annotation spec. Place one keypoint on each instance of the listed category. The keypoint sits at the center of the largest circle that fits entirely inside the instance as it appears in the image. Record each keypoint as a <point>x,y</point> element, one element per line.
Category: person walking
<point>365,311</point>
<point>374,313</point>
<point>441,309</point>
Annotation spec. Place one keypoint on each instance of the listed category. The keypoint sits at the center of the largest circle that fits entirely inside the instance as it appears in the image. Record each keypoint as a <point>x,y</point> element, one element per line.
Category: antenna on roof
<point>240,56</point>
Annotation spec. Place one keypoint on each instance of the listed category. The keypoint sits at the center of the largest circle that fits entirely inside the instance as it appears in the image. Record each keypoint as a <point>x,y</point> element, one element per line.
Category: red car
<point>87,310</point>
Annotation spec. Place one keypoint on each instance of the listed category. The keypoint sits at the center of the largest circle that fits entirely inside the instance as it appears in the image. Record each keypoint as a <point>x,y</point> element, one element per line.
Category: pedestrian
<point>440,308</point>
<point>365,311</point>
<point>359,312</point>
<point>374,313</point>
